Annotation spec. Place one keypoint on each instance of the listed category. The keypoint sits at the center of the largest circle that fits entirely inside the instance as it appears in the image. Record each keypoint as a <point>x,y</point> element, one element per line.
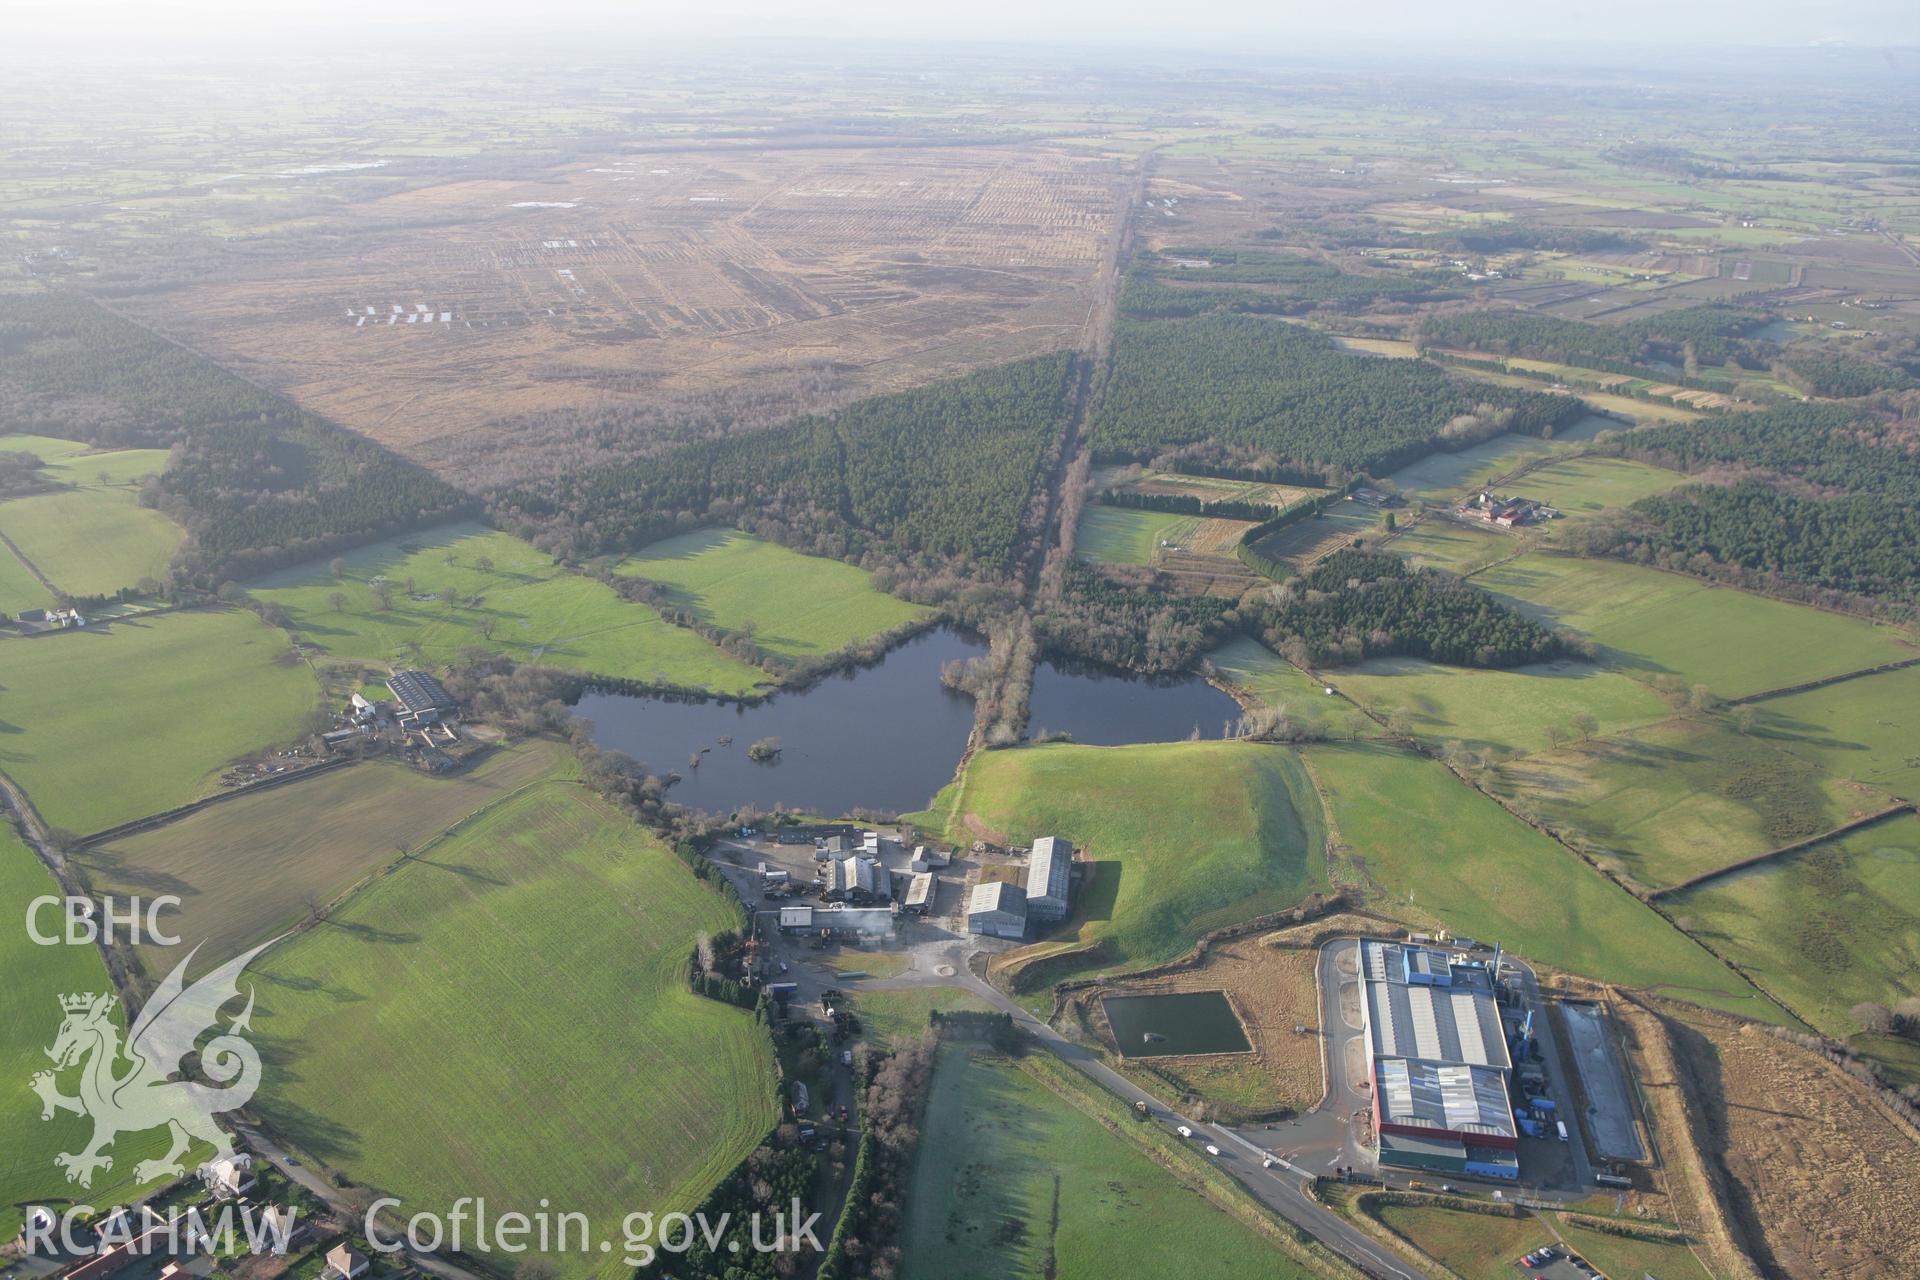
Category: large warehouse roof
<point>1454,1099</point>
<point>1456,1023</point>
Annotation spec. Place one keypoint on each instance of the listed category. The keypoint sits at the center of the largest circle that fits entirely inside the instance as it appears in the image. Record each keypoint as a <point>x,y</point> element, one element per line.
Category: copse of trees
<point>1128,620</point>
<point>1359,604</point>
<point>1266,394</point>
<point>949,471</point>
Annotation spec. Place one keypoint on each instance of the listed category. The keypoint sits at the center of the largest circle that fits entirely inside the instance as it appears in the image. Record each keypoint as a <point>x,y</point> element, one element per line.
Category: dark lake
<point>1109,709</point>
<point>883,737</point>
<point>1179,1022</point>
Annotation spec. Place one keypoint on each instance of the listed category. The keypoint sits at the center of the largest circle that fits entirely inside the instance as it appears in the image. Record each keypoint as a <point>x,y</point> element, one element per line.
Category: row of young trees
<point>949,472</point>
<point>1267,393</point>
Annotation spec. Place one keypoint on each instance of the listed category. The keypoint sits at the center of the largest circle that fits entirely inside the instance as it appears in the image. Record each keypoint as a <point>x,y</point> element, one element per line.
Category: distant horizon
<point>1629,30</point>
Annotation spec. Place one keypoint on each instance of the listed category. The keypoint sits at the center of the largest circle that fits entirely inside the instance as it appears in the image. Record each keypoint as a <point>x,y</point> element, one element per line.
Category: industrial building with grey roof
<point>1438,1061</point>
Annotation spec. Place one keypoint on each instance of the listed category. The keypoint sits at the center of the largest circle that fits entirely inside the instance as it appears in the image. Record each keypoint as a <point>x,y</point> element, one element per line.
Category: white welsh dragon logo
<point>143,1096</point>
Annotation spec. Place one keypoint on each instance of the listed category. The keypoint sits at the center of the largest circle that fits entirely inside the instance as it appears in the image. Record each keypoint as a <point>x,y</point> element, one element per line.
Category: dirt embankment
<point>1811,1173</point>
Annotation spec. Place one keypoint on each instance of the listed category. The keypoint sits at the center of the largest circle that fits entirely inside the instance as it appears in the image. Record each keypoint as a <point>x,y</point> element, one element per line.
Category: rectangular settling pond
<point>1159,1026</point>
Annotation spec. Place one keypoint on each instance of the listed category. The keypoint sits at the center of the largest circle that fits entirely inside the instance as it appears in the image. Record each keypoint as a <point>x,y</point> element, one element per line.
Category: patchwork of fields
<point>258,863</point>
<point>792,604</point>
<point>463,586</point>
<point>1523,709</point>
<point>531,966</point>
<point>1439,852</point>
<point>112,724</point>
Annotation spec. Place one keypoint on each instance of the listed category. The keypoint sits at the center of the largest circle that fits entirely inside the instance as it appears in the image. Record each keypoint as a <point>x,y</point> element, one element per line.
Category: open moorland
<point>476,981</point>
<point>425,597</point>
<point>1015,1180</point>
<point>793,604</point>
<point>118,722</point>
<point>254,864</point>
<point>787,276</point>
<point>1133,811</point>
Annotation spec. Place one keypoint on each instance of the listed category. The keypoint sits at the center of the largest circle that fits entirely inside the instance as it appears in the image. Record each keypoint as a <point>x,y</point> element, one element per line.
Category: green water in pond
<point>1181,1022</point>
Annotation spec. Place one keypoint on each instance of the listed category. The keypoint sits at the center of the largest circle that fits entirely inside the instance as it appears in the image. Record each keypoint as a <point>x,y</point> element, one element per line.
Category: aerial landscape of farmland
<point>859,646</point>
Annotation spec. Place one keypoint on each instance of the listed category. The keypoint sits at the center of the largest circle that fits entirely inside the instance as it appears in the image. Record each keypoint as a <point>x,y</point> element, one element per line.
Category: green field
<point>1826,928</point>
<point>1583,486</point>
<point>1440,542</point>
<point>1122,535</point>
<point>19,589</point>
<point>1138,814</point>
<point>91,541</point>
<point>793,604</point>
<point>30,1016</point>
<point>123,468</point>
<point>1866,729</point>
<point>1474,1246</point>
<point>1012,1180</point>
<point>1632,1257</point>
<point>115,723</point>
<point>1447,476</point>
<point>1518,709</point>
<point>1682,797</point>
<point>524,606</point>
<point>1250,666</point>
<point>1438,852</point>
<point>1653,623</point>
<point>513,1014</point>
<point>259,863</point>
<point>890,1015</point>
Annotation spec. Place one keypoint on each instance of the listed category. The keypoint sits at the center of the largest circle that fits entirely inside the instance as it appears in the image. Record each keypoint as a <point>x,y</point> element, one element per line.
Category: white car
<point>1266,1162</point>
<point>1184,1132</point>
<point>1212,1150</point>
